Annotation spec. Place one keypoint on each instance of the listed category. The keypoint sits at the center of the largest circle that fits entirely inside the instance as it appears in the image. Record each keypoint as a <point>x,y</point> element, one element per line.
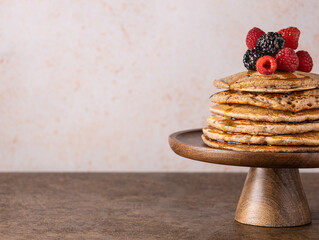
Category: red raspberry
<point>287,60</point>
<point>291,35</point>
<point>252,37</point>
<point>305,61</point>
<point>266,65</point>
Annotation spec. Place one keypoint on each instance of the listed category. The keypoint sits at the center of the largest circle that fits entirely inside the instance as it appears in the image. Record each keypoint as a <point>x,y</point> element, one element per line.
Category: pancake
<point>253,113</point>
<point>279,82</point>
<point>257,148</point>
<point>228,124</point>
<point>309,138</point>
<point>293,102</point>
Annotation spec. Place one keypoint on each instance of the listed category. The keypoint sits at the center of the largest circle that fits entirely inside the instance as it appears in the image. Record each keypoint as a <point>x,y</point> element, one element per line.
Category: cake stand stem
<point>273,197</point>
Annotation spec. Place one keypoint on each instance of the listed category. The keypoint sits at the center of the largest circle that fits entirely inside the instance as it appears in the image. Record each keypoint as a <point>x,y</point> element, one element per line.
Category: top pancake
<point>279,82</point>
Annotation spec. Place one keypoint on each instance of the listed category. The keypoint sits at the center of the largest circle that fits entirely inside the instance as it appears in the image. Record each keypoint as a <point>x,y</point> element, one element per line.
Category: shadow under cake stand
<point>273,195</point>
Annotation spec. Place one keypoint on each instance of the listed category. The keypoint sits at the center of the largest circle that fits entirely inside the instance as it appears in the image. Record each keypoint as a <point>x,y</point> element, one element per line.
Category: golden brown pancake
<point>240,111</point>
<point>308,139</point>
<point>293,102</point>
<point>228,124</point>
<point>257,148</point>
<point>279,82</point>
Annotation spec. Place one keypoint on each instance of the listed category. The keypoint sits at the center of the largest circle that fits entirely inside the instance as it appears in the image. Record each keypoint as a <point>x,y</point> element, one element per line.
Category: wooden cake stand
<point>273,195</point>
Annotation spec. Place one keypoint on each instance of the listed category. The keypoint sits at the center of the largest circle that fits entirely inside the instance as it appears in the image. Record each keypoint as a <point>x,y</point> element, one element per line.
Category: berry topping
<point>287,60</point>
<point>266,65</point>
<point>291,35</point>
<point>270,43</point>
<point>252,37</point>
<point>305,61</point>
<point>250,58</point>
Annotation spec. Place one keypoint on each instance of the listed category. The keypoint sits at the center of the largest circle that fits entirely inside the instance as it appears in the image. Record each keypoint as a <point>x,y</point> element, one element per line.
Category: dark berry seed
<point>250,58</point>
<point>271,43</point>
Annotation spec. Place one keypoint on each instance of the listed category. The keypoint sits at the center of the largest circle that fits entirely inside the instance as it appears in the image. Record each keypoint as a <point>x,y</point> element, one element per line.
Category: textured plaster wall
<point>88,85</point>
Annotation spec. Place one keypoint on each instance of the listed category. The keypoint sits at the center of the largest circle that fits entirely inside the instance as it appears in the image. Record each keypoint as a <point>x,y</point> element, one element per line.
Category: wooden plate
<point>188,143</point>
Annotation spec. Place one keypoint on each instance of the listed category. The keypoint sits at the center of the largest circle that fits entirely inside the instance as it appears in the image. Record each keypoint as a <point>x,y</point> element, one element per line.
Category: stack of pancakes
<point>265,113</point>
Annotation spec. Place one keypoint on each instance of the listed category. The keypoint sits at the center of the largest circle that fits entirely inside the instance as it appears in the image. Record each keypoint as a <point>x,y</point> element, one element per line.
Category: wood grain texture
<point>134,206</point>
<point>189,144</point>
<point>273,198</point>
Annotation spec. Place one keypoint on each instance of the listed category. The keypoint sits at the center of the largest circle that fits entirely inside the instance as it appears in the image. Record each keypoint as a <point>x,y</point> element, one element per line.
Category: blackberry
<point>251,56</point>
<point>271,43</point>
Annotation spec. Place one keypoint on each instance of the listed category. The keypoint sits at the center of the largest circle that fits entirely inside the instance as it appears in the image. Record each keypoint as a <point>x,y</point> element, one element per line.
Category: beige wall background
<point>88,85</point>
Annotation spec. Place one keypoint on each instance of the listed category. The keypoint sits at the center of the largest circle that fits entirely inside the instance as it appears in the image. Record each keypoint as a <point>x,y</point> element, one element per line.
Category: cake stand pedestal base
<point>273,197</point>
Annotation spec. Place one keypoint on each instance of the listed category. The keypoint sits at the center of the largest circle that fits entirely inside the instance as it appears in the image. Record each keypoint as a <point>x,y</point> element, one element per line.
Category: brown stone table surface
<point>135,206</point>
